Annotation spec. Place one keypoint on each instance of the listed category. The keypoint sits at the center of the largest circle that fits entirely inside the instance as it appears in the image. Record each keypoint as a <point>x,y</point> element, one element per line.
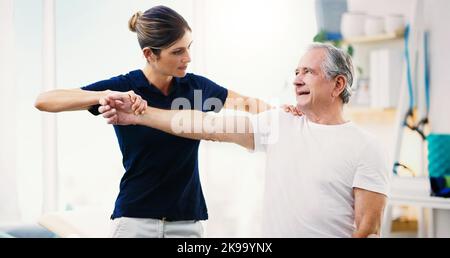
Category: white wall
<point>251,47</point>
<point>437,18</point>
<point>254,46</point>
<point>8,177</point>
<point>28,56</point>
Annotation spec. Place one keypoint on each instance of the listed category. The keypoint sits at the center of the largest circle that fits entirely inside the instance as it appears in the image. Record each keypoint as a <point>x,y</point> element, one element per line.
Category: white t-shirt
<point>311,170</point>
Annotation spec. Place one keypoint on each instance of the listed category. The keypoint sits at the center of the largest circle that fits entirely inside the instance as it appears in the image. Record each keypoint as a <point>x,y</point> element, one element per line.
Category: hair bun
<point>133,21</point>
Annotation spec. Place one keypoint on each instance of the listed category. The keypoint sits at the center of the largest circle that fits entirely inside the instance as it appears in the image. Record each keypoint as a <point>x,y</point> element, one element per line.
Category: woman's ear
<point>149,55</point>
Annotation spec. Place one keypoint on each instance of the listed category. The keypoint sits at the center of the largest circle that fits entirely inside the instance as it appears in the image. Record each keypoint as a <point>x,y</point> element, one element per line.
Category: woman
<point>160,192</point>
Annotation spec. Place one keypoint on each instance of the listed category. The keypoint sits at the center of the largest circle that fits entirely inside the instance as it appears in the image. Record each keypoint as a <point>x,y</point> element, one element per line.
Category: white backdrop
<point>250,46</point>
<point>9,209</point>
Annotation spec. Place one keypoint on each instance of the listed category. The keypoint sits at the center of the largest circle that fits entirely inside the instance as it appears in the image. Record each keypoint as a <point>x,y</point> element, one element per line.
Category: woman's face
<point>173,61</point>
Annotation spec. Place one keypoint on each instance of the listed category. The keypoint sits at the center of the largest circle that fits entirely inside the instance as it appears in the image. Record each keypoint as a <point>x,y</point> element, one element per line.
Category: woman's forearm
<point>68,100</point>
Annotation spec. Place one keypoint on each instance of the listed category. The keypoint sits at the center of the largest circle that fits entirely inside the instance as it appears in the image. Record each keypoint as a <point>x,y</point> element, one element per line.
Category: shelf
<point>371,115</point>
<point>375,38</point>
<point>415,191</point>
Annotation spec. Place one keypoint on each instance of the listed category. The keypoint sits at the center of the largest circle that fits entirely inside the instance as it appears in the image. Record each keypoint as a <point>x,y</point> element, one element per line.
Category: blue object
<point>439,187</point>
<point>161,177</point>
<point>408,68</point>
<point>329,15</point>
<point>333,36</point>
<point>439,163</point>
<point>427,71</point>
<point>438,155</point>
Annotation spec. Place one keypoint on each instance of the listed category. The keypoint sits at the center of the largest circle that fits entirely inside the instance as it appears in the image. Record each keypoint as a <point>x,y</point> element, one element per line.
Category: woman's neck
<point>162,82</point>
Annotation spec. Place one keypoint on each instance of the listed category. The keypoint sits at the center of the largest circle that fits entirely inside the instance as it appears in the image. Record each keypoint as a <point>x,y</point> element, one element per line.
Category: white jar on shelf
<point>374,25</point>
<point>394,23</point>
<point>352,24</point>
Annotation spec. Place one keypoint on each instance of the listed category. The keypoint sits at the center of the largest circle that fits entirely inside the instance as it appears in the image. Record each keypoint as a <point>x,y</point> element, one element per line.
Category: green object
<point>439,156</point>
<point>320,37</point>
<point>447,181</point>
<point>350,51</point>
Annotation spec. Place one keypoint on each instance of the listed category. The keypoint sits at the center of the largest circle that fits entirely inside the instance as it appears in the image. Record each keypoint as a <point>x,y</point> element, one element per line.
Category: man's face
<point>312,88</point>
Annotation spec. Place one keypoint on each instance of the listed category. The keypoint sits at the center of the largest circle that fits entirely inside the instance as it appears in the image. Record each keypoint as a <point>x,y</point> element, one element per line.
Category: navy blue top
<point>161,177</point>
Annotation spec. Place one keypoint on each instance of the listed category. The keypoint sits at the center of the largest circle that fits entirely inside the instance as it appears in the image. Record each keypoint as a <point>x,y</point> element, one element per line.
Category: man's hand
<point>122,108</point>
<point>127,101</point>
<point>292,110</point>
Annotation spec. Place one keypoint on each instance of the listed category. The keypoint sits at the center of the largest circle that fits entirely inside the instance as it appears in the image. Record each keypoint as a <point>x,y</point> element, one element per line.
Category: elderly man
<point>325,177</point>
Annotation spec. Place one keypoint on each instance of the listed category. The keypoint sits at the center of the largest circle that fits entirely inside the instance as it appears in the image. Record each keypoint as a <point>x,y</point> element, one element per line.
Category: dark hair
<point>158,28</point>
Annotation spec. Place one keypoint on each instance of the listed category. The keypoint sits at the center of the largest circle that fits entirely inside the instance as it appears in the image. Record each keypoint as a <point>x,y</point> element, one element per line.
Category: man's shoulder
<point>363,134</point>
<point>367,140</point>
<point>278,116</point>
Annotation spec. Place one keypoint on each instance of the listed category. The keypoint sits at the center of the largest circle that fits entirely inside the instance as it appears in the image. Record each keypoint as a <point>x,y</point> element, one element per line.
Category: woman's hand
<point>122,108</point>
<point>125,101</point>
<point>292,110</point>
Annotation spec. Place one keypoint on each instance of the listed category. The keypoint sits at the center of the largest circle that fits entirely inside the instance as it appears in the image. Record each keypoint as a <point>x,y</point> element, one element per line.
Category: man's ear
<point>149,55</point>
<point>339,85</point>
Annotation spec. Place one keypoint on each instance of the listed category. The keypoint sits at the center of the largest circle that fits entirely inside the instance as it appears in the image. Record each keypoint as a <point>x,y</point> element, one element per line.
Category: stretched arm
<point>243,103</point>
<point>369,208</point>
<point>254,106</point>
<point>77,99</point>
<point>68,100</point>
<point>190,124</point>
<point>197,125</point>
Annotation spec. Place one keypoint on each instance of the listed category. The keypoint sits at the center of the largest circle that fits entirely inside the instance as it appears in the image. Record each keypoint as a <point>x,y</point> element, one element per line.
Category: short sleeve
<point>114,84</point>
<point>118,83</point>
<point>373,172</point>
<point>265,127</point>
<point>214,95</point>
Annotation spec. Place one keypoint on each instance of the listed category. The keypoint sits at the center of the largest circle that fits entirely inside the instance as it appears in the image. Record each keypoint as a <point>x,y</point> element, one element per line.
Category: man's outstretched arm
<point>190,124</point>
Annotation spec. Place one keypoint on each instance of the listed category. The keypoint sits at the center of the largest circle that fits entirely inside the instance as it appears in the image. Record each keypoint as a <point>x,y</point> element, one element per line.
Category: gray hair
<point>337,62</point>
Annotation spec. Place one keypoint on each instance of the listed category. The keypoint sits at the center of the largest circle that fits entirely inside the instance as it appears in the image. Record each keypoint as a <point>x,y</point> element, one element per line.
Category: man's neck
<point>162,82</point>
<point>326,116</point>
